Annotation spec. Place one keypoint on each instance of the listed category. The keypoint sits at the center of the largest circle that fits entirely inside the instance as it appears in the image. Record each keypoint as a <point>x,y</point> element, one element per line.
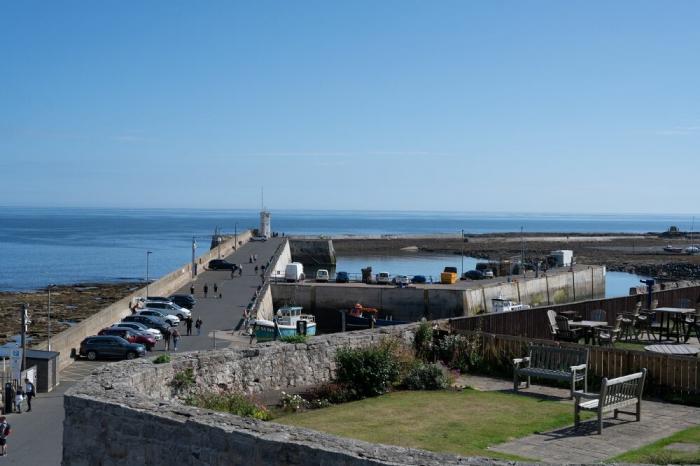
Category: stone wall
<point>70,338</point>
<point>313,251</point>
<point>127,413</point>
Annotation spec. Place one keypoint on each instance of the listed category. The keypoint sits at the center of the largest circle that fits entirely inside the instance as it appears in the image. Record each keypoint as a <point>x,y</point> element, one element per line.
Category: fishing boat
<point>673,249</point>
<point>288,321</point>
<point>360,317</point>
<point>501,304</point>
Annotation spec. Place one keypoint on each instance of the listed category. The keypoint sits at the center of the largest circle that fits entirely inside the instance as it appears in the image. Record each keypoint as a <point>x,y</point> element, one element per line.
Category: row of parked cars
<point>139,332</point>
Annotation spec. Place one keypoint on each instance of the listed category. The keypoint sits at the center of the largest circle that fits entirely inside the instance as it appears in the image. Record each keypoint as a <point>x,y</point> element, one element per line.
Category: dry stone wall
<point>127,413</point>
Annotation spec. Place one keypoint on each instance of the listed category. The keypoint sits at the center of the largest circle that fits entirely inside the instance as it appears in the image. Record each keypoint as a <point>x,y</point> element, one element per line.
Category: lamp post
<point>235,234</point>
<point>462,254</point>
<point>148,255</point>
<point>51,285</point>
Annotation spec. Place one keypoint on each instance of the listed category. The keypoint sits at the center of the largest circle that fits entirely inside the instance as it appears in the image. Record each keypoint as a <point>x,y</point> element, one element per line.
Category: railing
<point>533,323</point>
<point>675,373</point>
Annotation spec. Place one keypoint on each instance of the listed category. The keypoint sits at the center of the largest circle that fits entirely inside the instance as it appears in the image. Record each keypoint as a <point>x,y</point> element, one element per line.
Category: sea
<point>41,245</point>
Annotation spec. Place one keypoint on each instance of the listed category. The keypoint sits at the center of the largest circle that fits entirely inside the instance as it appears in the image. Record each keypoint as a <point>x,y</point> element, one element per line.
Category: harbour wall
<point>314,252</point>
<point>69,339</point>
<point>129,412</point>
<point>438,301</point>
<point>263,308</point>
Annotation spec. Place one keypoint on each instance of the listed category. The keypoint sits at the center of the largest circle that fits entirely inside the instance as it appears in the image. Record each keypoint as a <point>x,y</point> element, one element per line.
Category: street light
<point>51,285</point>
<point>462,253</point>
<point>235,234</point>
<point>148,254</point>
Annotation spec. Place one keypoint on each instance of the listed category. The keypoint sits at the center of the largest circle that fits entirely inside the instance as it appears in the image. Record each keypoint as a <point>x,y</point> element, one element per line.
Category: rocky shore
<point>69,304</point>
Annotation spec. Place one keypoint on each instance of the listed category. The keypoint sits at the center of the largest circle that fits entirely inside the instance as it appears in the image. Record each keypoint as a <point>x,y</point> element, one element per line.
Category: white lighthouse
<point>265,229</point>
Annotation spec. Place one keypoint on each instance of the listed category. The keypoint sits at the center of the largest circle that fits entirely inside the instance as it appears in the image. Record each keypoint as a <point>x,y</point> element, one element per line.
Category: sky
<point>493,106</point>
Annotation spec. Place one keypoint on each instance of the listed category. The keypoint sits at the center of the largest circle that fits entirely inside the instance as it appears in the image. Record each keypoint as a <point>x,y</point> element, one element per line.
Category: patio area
<point>583,444</point>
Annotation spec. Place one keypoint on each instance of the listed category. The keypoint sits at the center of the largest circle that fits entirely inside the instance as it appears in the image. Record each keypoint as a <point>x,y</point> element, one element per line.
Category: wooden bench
<point>614,394</point>
<point>551,362</point>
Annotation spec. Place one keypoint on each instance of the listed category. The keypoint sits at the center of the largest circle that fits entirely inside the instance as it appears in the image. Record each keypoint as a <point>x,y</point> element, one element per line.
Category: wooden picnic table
<point>589,327</point>
<point>687,350</point>
<point>672,313</point>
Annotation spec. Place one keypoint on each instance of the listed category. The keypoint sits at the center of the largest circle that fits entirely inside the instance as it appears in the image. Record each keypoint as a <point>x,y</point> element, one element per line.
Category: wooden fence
<point>676,373</point>
<point>533,323</point>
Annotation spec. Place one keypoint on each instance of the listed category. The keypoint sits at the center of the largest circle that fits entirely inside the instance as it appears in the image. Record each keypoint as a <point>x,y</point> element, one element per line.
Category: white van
<point>383,278</point>
<point>294,272</point>
<point>322,275</point>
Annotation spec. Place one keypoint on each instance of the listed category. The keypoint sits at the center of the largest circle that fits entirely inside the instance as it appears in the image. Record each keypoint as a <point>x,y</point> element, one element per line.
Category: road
<point>36,437</point>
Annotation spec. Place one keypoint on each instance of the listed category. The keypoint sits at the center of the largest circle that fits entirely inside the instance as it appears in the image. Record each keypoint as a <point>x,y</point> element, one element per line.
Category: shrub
<point>294,339</point>
<point>162,359</point>
<point>184,379</point>
<point>367,371</point>
<point>328,393</point>
<point>292,403</point>
<point>234,403</point>
<point>426,377</point>
<point>423,341</point>
<point>461,352</point>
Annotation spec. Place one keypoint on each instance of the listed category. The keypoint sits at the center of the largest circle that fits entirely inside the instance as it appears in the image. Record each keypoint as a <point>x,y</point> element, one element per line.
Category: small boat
<point>501,304</point>
<point>673,249</point>
<point>360,317</point>
<point>693,250</point>
<point>287,322</point>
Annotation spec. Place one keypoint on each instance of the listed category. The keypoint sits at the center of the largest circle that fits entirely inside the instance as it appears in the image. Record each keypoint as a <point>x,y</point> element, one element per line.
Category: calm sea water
<point>39,246</point>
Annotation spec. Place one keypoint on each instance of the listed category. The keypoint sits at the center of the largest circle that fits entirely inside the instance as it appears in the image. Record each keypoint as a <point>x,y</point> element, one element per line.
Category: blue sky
<point>523,106</point>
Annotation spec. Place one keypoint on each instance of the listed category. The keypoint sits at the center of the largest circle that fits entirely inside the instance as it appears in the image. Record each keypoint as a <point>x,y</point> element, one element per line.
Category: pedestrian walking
<point>188,325</point>
<point>166,339</point>
<point>176,339</point>
<point>216,288</point>
<point>198,326</point>
<point>250,259</point>
<point>5,431</point>
<point>255,257</point>
<point>192,289</point>
<point>30,392</point>
<point>240,270</point>
<point>233,270</point>
<point>19,398</point>
<point>206,289</point>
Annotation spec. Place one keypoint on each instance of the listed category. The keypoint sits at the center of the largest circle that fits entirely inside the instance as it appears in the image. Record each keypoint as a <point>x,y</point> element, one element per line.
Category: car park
<point>170,308</point>
<point>150,321</point>
<point>418,279</point>
<point>342,277</point>
<point>473,275</point>
<point>322,275</point>
<point>220,264</point>
<point>132,336</point>
<point>109,346</point>
<point>184,300</point>
<point>139,327</point>
<point>169,318</point>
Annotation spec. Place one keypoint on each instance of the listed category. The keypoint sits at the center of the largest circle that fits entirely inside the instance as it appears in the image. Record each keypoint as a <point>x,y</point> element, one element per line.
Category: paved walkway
<point>584,445</point>
<point>37,436</point>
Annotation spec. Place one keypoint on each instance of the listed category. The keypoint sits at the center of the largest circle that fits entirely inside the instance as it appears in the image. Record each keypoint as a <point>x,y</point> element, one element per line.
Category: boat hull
<point>265,330</point>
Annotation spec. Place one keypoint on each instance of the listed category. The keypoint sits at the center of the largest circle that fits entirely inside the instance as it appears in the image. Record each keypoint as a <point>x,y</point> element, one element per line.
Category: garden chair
<point>609,334</point>
<point>692,322</point>
<point>599,315</point>
<point>628,326</point>
<point>566,333</point>
<point>551,317</point>
<point>644,324</point>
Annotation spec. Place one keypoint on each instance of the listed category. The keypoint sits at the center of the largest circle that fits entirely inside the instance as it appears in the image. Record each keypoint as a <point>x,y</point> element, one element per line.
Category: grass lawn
<point>462,422</point>
<point>655,453</point>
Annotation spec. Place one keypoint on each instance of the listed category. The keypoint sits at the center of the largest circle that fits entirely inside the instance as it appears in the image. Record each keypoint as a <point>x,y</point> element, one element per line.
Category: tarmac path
<point>37,436</point>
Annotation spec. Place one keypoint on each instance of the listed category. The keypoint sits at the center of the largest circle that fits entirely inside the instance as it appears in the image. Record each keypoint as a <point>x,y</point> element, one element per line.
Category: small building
<point>265,229</point>
<point>562,257</point>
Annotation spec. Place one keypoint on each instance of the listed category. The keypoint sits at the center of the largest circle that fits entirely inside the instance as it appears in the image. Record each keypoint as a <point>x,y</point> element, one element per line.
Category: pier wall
<point>438,301</point>
<point>70,338</point>
<point>264,308</point>
<point>318,252</point>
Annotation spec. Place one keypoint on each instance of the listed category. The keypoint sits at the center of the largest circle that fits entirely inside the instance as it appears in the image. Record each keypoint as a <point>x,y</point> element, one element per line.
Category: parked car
<point>294,272</point>
<point>169,318</point>
<point>220,264</point>
<point>184,300</point>
<point>401,280</point>
<point>150,321</point>
<point>161,299</point>
<point>169,307</point>
<point>132,336</point>
<point>259,238</point>
<point>418,279</point>
<point>108,346</point>
<point>342,277</point>
<point>474,275</point>
<point>383,278</point>
<point>322,275</point>
<point>488,273</point>
<point>139,327</point>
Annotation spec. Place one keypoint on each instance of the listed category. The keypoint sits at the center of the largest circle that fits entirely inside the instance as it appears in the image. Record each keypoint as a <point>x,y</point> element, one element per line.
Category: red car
<point>132,337</point>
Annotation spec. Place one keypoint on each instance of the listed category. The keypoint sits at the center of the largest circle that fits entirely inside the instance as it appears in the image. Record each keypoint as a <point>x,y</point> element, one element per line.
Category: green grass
<point>464,423</point>
<point>655,453</point>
